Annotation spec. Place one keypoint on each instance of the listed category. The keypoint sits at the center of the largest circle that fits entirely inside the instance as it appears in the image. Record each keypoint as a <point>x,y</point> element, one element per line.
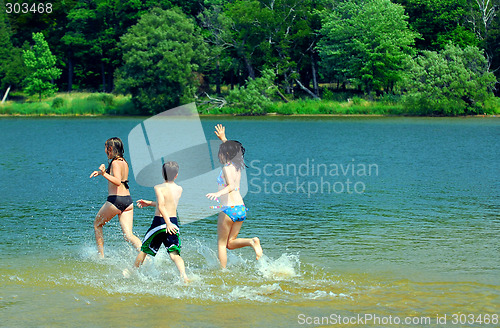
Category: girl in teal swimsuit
<point>233,208</point>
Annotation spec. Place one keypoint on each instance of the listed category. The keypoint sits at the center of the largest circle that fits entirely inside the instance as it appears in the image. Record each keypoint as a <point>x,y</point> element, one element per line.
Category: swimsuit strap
<point>216,206</point>
<point>125,183</point>
<point>108,170</point>
<point>223,207</point>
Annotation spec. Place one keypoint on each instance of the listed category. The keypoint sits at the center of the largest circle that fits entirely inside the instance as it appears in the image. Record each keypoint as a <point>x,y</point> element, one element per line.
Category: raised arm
<point>220,132</point>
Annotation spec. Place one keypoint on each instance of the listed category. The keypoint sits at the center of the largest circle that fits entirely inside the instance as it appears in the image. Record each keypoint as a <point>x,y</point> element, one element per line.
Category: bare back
<point>119,169</point>
<point>167,198</point>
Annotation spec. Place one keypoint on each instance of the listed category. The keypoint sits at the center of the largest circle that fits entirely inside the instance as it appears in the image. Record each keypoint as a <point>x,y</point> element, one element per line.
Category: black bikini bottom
<point>120,202</point>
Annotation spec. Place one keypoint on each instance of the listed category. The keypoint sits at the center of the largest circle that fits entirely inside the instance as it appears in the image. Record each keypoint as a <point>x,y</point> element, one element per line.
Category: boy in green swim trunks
<point>164,228</point>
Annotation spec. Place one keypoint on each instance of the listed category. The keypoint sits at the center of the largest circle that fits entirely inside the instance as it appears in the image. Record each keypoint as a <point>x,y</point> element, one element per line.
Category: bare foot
<point>257,248</point>
<point>186,280</point>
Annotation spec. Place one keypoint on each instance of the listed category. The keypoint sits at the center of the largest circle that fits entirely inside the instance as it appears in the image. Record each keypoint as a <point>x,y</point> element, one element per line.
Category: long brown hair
<point>232,151</point>
<point>116,146</point>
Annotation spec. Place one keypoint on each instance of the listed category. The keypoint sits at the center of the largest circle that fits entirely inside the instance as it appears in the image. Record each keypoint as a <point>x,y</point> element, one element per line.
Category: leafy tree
<point>256,96</point>
<point>453,81</point>
<point>366,42</point>
<point>161,54</point>
<point>11,66</point>
<point>93,33</point>
<point>237,27</point>
<point>260,34</point>
<point>42,70</point>
<point>484,21</point>
<point>493,48</point>
<point>48,17</point>
<point>482,15</point>
<point>439,22</point>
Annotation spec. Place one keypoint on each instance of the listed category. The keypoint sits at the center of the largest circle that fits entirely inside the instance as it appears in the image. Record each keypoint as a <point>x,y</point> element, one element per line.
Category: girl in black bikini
<point>119,201</point>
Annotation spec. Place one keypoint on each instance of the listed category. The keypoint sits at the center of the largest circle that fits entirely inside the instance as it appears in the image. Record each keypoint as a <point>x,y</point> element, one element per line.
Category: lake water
<point>386,219</point>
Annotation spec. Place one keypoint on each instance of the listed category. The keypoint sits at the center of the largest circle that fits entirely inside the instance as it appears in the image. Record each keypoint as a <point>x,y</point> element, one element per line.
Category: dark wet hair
<point>170,170</point>
<point>232,151</point>
<point>116,146</point>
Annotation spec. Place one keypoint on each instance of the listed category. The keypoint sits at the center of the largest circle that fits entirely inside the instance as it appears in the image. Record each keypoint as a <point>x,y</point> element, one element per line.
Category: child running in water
<point>233,212</point>
<point>164,228</point>
<point>119,201</point>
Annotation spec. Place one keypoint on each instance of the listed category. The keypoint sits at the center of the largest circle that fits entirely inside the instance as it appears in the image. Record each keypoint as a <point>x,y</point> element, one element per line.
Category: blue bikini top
<point>220,178</point>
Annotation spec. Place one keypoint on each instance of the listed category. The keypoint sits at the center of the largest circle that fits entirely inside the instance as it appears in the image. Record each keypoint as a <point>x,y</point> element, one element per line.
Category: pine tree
<point>41,64</point>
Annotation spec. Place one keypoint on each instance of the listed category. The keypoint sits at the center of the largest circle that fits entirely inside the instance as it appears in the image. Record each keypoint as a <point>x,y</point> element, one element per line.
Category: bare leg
<point>106,213</point>
<point>140,259</point>
<point>223,228</point>
<point>126,222</point>
<point>127,273</point>
<point>179,262</point>
<point>233,242</point>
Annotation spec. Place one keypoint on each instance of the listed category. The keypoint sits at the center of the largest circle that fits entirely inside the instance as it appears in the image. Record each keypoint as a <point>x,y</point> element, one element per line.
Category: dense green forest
<point>433,57</point>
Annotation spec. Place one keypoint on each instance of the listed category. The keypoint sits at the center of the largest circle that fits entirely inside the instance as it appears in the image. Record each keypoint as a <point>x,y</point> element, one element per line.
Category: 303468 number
<point>24,8</point>
<point>472,319</point>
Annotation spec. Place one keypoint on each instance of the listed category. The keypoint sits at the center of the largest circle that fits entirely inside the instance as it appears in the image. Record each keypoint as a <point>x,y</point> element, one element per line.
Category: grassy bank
<point>355,106</point>
<point>72,104</point>
<point>388,106</point>
<point>80,104</point>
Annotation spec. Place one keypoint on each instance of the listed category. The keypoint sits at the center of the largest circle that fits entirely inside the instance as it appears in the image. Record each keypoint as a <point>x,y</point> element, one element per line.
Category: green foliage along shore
<point>252,57</point>
<point>73,104</point>
<point>102,104</point>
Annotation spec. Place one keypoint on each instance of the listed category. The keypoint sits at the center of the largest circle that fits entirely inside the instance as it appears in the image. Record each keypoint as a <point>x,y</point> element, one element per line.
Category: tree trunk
<point>288,89</point>
<point>111,82</point>
<point>70,71</point>
<point>103,73</point>
<point>251,72</point>
<point>217,73</point>
<point>307,90</point>
<point>282,97</point>
<point>6,94</point>
<point>314,74</point>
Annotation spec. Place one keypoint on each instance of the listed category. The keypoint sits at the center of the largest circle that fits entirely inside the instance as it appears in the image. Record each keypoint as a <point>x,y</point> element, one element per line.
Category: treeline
<point>436,56</point>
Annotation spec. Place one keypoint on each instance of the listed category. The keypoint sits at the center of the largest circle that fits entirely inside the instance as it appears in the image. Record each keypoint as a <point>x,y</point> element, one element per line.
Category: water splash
<point>284,268</point>
<point>278,279</point>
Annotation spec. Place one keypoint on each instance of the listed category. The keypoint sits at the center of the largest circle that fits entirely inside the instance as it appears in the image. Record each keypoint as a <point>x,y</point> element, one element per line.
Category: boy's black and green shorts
<point>157,235</point>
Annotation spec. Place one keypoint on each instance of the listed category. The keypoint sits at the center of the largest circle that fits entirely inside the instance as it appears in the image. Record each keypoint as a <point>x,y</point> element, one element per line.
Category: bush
<point>339,96</point>
<point>454,81</point>
<point>255,97</point>
<point>492,106</point>
<point>85,106</point>
<point>57,102</point>
<point>106,99</point>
